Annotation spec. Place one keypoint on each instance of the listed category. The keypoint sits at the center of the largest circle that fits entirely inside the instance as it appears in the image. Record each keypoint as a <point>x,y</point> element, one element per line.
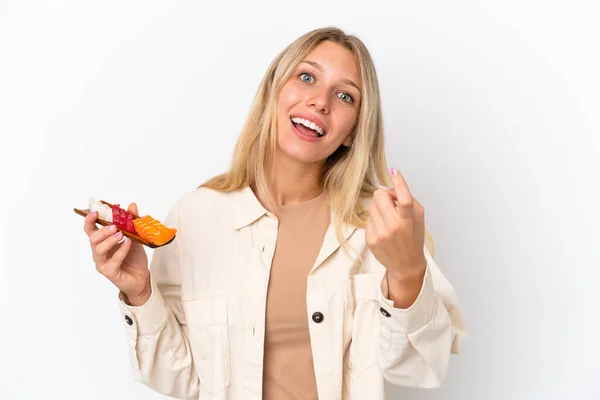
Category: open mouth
<point>308,127</point>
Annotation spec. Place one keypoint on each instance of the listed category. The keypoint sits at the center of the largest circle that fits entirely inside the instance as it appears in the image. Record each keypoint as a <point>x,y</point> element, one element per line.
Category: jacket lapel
<point>330,242</point>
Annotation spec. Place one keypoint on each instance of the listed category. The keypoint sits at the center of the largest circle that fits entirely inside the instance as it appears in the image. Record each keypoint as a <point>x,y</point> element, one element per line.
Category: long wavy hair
<point>350,174</point>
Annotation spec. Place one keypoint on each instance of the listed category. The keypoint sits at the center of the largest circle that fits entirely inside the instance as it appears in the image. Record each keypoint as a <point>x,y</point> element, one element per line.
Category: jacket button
<point>384,312</point>
<point>128,320</point>
<point>317,317</point>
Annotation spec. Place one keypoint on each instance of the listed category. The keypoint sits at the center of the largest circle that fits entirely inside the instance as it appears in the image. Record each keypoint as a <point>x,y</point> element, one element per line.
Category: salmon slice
<point>153,230</point>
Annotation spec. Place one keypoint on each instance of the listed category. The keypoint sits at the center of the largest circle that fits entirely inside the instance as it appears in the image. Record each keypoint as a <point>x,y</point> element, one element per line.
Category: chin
<point>298,154</point>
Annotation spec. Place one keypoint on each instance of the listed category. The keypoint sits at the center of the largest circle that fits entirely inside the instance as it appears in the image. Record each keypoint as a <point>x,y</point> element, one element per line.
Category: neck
<point>293,181</point>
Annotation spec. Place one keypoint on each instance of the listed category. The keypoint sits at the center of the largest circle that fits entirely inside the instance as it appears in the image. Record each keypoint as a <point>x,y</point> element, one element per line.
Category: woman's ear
<point>347,140</point>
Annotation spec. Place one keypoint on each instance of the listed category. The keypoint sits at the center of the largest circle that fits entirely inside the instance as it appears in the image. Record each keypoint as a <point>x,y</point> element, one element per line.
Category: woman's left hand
<point>395,231</point>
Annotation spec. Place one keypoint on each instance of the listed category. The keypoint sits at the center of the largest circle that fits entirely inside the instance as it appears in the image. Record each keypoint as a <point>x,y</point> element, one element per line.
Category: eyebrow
<point>320,68</point>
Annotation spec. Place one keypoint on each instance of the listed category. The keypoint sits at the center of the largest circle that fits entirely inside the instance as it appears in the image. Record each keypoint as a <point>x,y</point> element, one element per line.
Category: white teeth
<point>309,124</point>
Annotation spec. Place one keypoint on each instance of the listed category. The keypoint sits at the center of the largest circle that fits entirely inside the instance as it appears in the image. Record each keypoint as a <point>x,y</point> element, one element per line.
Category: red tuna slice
<point>123,219</point>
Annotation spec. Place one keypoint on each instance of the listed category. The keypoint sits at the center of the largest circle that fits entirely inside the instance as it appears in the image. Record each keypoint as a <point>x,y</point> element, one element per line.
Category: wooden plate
<point>130,235</point>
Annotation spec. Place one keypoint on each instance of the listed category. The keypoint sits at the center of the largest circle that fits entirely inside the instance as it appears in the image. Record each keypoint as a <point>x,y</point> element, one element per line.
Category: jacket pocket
<point>362,300</point>
<point>209,340</point>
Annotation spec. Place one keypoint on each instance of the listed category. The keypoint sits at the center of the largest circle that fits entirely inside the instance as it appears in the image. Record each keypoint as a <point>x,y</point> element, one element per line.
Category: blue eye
<point>345,97</point>
<point>306,77</point>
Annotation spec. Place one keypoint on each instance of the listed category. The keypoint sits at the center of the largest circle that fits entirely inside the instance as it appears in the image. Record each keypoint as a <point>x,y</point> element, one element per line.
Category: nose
<point>319,101</point>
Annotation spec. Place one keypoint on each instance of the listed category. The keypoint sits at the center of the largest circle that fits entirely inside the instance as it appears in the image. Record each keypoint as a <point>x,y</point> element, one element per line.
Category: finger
<point>392,193</point>
<point>379,227</point>
<point>89,225</point>
<point>419,210</point>
<point>387,208</point>
<point>107,244</point>
<point>404,197</point>
<point>102,234</point>
<point>114,264</point>
<point>133,209</point>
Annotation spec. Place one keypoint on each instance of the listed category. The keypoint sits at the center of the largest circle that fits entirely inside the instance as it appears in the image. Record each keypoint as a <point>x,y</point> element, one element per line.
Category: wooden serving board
<point>133,236</point>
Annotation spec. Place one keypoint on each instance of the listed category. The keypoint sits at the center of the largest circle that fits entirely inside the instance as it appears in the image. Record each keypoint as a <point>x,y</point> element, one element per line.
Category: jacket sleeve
<point>157,332</point>
<point>416,343</point>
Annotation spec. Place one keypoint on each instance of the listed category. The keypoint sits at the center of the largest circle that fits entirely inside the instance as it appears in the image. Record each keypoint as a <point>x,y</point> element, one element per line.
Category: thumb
<point>133,209</point>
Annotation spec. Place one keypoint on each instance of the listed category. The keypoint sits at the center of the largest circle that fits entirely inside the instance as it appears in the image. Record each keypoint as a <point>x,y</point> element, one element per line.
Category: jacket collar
<point>246,208</point>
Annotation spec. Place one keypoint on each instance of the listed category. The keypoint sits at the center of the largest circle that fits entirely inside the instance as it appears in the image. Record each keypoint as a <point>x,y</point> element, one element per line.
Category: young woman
<point>295,274</point>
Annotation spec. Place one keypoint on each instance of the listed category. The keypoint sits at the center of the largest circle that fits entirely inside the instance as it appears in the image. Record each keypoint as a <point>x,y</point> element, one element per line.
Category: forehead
<point>336,61</point>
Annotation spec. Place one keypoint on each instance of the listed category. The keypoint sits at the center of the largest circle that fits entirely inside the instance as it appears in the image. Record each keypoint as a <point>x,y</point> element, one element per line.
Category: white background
<point>491,113</point>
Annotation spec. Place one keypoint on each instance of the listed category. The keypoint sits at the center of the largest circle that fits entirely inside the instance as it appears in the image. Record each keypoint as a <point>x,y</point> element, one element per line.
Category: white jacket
<point>201,333</point>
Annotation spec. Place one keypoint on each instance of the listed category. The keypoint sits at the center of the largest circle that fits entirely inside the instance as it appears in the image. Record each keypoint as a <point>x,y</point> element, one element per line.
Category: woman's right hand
<point>125,264</point>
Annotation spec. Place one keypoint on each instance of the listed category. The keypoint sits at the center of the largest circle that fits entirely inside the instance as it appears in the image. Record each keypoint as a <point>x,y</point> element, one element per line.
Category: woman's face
<point>323,93</point>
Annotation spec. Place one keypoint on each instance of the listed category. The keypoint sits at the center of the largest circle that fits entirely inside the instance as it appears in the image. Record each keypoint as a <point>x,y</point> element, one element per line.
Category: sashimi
<point>153,231</point>
<point>122,218</point>
<point>104,212</point>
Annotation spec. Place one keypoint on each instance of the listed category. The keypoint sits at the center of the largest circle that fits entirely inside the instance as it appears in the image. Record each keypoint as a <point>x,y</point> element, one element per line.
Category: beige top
<point>288,363</point>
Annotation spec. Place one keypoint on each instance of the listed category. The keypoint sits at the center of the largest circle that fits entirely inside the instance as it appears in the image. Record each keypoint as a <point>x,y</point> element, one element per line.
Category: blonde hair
<point>350,174</point>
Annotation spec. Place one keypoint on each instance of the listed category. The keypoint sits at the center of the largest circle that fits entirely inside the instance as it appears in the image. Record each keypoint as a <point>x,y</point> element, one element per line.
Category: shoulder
<point>201,197</point>
<point>200,203</point>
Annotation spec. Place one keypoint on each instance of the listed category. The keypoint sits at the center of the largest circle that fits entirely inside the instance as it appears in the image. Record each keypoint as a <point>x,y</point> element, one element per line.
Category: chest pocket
<point>209,340</point>
<point>362,302</point>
